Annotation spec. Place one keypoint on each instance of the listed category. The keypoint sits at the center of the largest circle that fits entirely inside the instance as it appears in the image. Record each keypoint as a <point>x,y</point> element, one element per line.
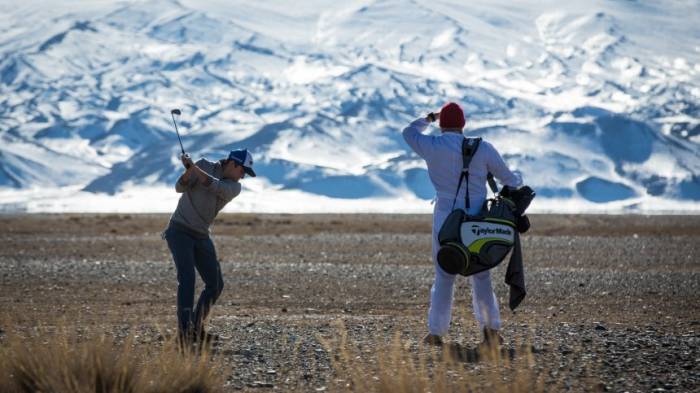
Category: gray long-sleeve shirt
<point>200,202</point>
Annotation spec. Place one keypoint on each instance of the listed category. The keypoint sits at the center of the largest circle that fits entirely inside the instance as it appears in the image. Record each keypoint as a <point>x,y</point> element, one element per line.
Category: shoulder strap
<point>469,148</point>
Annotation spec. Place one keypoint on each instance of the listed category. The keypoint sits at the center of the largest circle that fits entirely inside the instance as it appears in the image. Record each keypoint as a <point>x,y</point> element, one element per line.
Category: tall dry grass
<point>406,367</point>
<point>54,360</point>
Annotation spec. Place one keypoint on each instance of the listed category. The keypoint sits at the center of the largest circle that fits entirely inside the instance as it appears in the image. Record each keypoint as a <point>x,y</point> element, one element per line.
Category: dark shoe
<point>185,342</point>
<point>491,337</point>
<point>208,338</point>
<point>432,339</point>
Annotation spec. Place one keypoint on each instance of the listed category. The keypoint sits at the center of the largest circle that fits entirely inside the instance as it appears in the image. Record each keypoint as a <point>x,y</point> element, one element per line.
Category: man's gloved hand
<point>522,223</point>
<point>508,191</point>
<point>186,160</point>
<point>433,116</point>
<point>520,196</point>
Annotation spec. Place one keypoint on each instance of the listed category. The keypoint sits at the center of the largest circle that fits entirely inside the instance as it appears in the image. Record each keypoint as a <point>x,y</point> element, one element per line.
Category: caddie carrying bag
<point>471,244</point>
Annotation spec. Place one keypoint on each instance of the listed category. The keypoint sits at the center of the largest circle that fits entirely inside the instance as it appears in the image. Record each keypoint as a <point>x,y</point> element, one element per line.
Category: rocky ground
<point>613,301</point>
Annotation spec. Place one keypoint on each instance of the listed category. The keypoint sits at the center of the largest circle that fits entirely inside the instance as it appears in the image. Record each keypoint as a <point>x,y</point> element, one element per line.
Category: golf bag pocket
<point>488,243</point>
<point>472,244</point>
<point>453,256</point>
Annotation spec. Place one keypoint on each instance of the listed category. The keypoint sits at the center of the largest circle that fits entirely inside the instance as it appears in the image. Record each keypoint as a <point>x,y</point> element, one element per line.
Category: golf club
<point>174,112</point>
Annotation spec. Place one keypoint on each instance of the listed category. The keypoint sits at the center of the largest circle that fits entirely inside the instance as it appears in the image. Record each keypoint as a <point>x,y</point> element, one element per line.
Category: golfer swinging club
<point>443,155</point>
<point>206,187</point>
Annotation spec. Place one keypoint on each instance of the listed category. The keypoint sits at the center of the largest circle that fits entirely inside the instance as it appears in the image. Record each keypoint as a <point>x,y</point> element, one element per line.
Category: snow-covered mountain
<point>595,102</point>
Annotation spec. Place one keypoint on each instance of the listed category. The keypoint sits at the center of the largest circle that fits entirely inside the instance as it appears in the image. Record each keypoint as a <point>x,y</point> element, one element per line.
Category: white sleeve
<point>499,169</point>
<point>413,135</point>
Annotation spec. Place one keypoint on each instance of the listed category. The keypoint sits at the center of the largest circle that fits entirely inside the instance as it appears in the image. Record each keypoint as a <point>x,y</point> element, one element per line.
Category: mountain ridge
<point>589,106</point>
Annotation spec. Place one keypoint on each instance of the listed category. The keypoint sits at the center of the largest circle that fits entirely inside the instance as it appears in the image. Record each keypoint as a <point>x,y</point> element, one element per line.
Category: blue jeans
<point>190,253</point>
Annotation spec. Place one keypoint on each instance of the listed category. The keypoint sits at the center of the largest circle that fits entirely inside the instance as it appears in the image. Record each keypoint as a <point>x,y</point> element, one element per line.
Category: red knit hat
<point>452,116</point>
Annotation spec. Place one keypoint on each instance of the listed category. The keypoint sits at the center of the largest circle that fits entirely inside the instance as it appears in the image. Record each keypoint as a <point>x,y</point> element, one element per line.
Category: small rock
<point>600,327</point>
<point>261,384</point>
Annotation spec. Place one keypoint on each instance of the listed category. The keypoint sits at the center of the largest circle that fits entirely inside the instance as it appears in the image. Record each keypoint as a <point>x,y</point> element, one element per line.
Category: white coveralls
<point>443,155</point>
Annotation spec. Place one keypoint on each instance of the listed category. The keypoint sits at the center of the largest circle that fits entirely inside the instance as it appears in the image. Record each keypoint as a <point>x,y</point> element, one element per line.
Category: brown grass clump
<point>407,367</point>
<point>67,362</point>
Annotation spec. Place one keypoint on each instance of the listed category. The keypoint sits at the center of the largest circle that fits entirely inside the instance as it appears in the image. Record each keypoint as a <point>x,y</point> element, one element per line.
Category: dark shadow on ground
<point>478,353</point>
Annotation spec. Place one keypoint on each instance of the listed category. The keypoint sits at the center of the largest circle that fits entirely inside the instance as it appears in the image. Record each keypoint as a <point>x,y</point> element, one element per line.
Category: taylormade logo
<point>478,231</point>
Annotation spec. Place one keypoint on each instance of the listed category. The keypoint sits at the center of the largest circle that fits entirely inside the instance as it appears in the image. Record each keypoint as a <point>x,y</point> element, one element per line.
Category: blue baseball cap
<point>243,158</point>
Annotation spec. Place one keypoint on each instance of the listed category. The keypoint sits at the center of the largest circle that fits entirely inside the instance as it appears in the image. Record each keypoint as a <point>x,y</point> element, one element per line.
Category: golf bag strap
<point>469,148</point>
<point>492,183</point>
<point>459,185</point>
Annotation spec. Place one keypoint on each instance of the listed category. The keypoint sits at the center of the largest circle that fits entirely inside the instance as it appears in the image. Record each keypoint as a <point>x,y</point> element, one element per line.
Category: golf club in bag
<point>174,112</point>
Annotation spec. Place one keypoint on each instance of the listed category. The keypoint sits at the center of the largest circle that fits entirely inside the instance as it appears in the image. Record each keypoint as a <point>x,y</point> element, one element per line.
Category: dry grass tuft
<point>408,367</point>
<point>60,361</point>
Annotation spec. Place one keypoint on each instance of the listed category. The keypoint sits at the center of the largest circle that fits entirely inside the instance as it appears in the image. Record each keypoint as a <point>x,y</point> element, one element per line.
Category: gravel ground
<point>612,300</point>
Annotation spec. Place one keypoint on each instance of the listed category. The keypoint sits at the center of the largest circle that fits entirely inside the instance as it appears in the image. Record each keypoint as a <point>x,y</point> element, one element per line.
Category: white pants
<point>483,299</point>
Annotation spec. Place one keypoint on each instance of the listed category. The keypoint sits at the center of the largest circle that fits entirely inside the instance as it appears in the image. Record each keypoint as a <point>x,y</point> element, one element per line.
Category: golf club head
<point>175,112</point>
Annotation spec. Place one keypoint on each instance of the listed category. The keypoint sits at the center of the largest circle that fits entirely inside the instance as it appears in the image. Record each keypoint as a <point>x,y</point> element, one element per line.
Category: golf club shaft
<point>177,132</point>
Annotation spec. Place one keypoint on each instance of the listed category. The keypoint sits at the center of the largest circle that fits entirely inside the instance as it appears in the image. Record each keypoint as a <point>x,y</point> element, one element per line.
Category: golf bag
<point>472,244</point>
